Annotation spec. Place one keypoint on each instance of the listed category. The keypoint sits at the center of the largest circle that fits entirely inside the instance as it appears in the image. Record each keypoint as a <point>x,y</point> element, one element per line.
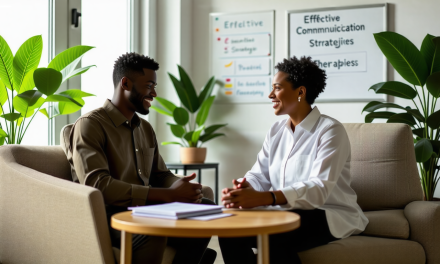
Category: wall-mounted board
<point>241,55</point>
<point>341,41</point>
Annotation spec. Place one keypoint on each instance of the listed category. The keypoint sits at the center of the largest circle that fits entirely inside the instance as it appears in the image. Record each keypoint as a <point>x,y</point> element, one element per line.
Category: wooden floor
<point>214,245</point>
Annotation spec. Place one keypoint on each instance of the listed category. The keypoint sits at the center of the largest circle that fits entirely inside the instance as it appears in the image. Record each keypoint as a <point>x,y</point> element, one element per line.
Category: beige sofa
<point>47,218</point>
<point>402,228</point>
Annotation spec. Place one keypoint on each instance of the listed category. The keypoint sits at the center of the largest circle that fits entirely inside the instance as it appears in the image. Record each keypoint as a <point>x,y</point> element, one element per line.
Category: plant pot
<point>192,155</point>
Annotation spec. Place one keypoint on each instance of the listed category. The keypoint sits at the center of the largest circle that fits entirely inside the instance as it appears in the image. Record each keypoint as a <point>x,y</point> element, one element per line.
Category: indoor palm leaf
<point>190,119</point>
<point>421,69</point>
<point>26,89</point>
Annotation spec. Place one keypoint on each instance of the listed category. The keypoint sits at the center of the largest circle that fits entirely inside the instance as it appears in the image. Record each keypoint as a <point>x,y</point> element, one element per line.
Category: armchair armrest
<point>52,217</point>
<point>424,222</point>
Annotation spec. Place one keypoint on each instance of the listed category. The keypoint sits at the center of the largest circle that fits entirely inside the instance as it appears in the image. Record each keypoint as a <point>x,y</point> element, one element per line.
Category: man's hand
<point>185,191</point>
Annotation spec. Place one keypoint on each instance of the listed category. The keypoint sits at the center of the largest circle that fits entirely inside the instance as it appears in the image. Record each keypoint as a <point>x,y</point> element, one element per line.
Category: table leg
<point>176,171</point>
<point>125,247</point>
<point>263,249</point>
<point>200,176</point>
<point>184,172</point>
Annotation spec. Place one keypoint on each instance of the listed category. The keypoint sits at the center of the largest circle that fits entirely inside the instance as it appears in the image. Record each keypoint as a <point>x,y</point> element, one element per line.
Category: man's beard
<point>138,101</point>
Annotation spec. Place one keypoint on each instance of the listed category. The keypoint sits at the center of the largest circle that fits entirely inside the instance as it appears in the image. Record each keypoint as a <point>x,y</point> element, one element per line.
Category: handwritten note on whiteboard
<point>242,55</point>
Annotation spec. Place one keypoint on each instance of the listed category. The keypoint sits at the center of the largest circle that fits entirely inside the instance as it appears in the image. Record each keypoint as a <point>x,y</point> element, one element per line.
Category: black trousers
<point>149,249</point>
<point>283,248</point>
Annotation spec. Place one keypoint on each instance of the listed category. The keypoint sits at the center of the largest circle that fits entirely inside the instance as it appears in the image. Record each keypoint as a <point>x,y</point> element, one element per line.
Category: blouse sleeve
<point>332,155</point>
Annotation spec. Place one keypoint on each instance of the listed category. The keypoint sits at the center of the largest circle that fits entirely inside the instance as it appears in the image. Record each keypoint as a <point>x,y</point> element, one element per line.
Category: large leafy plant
<point>421,69</point>
<point>190,119</point>
<point>26,90</point>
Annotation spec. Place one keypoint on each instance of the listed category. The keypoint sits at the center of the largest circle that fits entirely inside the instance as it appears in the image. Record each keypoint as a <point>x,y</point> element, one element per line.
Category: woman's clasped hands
<point>242,195</point>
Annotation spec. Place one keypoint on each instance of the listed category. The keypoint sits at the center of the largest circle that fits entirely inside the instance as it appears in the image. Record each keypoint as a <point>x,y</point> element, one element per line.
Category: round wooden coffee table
<point>241,224</point>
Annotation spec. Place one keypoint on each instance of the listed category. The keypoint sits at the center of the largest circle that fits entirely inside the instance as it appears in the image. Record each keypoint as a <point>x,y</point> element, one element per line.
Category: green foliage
<point>191,117</point>
<point>30,88</point>
<point>406,59</point>
<point>395,89</point>
<point>47,80</point>
<point>26,59</point>
<point>171,143</point>
<point>421,68</point>
<point>6,59</point>
<point>177,130</point>
<point>181,116</point>
<point>203,113</point>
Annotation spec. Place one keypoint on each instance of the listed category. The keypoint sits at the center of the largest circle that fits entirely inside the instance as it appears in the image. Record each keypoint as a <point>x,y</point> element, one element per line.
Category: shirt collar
<point>117,117</point>
<point>309,122</point>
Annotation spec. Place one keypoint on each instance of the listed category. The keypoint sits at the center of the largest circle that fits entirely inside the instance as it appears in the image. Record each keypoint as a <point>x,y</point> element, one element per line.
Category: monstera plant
<point>190,119</point>
<point>421,70</point>
<point>26,90</point>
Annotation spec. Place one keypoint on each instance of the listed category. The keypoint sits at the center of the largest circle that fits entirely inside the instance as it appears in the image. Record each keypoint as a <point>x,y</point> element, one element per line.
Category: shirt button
<point>126,122</point>
<point>136,149</point>
<point>140,171</point>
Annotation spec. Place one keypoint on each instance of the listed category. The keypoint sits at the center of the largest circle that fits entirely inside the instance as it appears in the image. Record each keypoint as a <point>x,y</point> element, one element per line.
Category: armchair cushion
<point>387,223</point>
<point>365,250</point>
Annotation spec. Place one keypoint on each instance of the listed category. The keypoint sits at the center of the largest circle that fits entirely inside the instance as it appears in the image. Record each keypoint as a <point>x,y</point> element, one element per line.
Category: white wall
<point>248,123</point>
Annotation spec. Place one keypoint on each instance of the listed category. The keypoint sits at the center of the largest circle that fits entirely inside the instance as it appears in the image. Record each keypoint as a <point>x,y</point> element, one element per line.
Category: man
<point>115,151</point>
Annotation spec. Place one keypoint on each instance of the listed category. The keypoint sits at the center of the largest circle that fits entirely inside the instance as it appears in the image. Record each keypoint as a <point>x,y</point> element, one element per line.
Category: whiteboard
<point>241,55</point>
<point>341,42</point>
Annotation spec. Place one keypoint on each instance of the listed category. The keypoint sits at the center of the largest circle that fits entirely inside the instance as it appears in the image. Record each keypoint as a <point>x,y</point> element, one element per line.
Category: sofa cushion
<point>387,223</point>
<point>383,166</point>
<point>365,250</point>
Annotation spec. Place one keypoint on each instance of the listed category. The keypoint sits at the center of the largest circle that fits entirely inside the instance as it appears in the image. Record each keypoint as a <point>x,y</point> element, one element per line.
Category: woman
<point>305,159</point>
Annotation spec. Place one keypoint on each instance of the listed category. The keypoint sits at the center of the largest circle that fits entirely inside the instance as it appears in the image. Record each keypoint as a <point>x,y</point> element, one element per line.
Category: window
<point>105,25</point>
<point>19,21</point>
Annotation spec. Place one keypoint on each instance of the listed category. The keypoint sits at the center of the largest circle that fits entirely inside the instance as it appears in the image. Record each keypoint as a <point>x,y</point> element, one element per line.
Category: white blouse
<point>311,166</point>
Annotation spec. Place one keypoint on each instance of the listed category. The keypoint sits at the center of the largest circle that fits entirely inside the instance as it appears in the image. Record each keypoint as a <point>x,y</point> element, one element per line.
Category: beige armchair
<point>47,218</point>
<point>402,228</point>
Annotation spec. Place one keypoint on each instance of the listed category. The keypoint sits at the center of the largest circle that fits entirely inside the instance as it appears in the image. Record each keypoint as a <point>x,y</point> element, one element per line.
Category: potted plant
<point>26,89</point>
<point>421,69</point>
<point>190,118</point>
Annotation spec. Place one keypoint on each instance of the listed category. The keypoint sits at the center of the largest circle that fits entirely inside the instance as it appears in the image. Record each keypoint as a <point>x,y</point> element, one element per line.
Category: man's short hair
<point>304,72</point>
<point>130,64</point>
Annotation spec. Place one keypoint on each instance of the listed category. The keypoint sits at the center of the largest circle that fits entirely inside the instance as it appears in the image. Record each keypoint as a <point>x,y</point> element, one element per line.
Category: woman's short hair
<point>132,63</point>
<point>304,72</point>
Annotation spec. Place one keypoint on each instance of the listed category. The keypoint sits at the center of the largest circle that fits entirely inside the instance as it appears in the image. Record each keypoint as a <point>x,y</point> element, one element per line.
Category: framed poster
<point>340,40</point>
<point>241,55</point>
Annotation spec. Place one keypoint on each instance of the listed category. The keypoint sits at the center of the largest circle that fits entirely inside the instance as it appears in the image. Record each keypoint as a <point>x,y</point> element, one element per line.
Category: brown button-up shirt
<point>117,156</point>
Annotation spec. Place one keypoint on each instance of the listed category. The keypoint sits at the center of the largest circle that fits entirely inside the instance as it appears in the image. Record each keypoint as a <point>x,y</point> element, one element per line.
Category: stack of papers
<point>180,210</point>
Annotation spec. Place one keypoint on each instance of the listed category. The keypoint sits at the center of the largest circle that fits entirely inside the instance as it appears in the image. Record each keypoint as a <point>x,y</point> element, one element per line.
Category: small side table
<point>199,167</point>
<point>241,224</point>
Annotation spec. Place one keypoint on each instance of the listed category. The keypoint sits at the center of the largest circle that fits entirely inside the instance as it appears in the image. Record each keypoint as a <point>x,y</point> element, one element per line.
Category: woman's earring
<point>299,99</point>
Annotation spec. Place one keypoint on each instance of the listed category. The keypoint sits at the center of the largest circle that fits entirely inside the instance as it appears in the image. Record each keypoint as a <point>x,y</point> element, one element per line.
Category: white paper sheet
<point>209,217</point>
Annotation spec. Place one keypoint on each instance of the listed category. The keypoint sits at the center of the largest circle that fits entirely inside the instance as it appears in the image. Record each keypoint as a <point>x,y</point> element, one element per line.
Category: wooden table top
<point>242,223</point>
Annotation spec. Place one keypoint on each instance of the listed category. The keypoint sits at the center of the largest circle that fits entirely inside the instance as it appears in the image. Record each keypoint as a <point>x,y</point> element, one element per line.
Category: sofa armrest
<point>424,222</point>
